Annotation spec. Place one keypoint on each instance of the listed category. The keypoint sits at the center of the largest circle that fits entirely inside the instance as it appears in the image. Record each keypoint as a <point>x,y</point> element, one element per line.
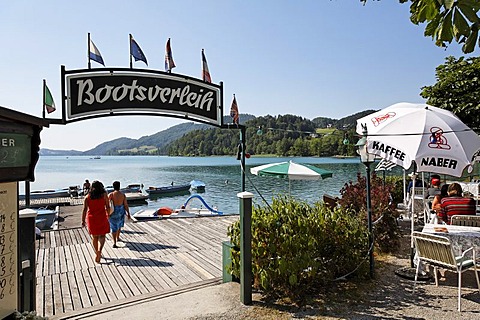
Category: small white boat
<point>185,211</point>
<point>197,185</point>
<point>45,218</point>
<point>166,213</point>
<point>50,217</point>
<point>54,193</point>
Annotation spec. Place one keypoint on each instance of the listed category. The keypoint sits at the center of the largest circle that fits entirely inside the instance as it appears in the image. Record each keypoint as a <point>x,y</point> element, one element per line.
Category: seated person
<point>455,204</point>
<point>438,198</point>
<point>86,187</point>
<point>434,188</point>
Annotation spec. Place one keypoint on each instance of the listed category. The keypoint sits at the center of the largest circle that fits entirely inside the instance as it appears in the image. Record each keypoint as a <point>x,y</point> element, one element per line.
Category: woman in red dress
<point>95,216</point>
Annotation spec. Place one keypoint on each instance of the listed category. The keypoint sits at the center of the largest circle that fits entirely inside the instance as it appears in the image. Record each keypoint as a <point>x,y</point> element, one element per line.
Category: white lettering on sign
<point>7,142</point>
<point>140,93</point>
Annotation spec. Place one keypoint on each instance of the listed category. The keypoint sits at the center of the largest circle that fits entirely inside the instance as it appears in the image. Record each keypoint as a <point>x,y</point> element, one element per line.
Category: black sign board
<point>19,145</point>
<point>15,150</point>
<point>98,92</point>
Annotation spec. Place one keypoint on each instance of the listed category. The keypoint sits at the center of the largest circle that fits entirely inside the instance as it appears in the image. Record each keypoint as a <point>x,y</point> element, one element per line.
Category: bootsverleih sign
<point>92,93</point>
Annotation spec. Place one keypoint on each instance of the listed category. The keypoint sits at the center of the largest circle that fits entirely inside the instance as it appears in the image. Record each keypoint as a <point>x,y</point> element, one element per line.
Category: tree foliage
<point>457,89</point>
<point>447,21</point>
<point>283,135</point>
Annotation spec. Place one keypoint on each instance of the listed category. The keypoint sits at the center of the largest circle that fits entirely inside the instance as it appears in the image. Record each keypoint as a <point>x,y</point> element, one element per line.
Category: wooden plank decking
<point>157,256</point>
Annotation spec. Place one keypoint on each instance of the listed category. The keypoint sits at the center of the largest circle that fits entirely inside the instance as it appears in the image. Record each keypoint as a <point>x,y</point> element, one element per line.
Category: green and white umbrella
<point>291,170</point>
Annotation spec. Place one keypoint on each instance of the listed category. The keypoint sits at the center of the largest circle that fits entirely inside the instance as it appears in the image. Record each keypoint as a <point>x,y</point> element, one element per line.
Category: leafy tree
<point>457,89</point>
<point>447,20</point>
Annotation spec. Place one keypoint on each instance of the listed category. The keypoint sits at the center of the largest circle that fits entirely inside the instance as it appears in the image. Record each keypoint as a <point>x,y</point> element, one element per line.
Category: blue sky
<point>310,58</point>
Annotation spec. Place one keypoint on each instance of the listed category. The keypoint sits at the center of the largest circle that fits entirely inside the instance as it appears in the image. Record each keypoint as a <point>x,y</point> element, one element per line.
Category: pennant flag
<point>205,73</point>
<point>385,164</point>
<point>136,52</point>
<point>48,102</point>
<point>169,63</point>
<point>94,53</point>
<point>234,110</point>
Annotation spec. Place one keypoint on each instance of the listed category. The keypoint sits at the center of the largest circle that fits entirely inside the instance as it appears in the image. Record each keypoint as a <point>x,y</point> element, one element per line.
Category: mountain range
<point>158,143</point>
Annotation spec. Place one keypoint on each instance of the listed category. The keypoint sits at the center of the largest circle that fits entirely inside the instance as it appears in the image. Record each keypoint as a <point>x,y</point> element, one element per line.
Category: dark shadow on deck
<point>147,247</point>
<point>138,262</point>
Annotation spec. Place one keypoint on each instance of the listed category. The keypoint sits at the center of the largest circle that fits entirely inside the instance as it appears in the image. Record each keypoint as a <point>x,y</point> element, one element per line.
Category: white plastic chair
<point>466,220</point>
<point>437,251</point>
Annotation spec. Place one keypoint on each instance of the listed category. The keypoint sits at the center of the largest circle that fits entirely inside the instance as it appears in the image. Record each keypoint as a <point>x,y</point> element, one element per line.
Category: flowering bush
<point>386,231</point>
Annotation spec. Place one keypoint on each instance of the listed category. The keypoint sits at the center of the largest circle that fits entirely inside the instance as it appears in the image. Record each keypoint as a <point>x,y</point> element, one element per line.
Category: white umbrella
<point>436,139</point>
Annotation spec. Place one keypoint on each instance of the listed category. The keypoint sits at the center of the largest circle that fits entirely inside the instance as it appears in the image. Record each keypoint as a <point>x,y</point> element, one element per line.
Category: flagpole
<point>88,53</point>
<point>43,97</point>
<point>130,43</point>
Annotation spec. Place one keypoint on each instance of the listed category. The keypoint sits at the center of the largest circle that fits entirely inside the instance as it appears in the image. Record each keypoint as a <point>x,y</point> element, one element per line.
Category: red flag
<point>205,73</point>
<point>234,110</point>
<point>169,63</point>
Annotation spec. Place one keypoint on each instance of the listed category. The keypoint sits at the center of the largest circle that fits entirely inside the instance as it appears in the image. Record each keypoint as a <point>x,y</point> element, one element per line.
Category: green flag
<point>48,102</point>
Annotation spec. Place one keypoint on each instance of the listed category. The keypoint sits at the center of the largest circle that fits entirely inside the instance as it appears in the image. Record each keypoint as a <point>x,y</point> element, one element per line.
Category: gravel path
<point>388,296</point>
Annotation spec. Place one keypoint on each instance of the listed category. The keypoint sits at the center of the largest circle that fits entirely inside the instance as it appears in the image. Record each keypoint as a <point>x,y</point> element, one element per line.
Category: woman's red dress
<point>97,217</point>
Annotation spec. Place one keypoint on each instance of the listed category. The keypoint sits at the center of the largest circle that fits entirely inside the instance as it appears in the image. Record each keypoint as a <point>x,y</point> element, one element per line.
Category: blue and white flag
<point>136,52</point>
<point>94,53</point>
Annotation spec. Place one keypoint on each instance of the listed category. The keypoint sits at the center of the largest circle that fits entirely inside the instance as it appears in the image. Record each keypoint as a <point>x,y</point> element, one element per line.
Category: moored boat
<point>185,211</point>
<point>197,185</point>
<point>45,218</point>
<point>131,188</point>
<point>136,197</point>
<point>54,193</point>
<point>168,190</point>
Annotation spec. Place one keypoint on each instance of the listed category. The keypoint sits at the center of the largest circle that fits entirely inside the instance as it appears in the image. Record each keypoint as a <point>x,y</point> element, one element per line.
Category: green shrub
<point>397,188</point>
<point>298,248</point>
<point>28,315</point>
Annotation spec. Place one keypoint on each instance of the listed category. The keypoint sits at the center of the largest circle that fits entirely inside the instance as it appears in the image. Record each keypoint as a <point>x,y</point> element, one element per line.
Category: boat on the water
<point>50,216</point>
<point>185,211</point>
<point>45,218</point>
<point>131,188</point>
<point>136,198</point>
<point>46,194</point>
<point>197,185</point>
<point>168,190</point>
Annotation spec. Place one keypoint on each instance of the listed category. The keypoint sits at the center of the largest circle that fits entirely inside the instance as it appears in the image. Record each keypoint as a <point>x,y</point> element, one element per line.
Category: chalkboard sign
<point>8,249</point>
<point>15,150</point>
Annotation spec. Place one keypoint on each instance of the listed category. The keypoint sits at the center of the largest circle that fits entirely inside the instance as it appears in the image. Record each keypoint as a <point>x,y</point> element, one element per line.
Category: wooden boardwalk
<point>157,256</point>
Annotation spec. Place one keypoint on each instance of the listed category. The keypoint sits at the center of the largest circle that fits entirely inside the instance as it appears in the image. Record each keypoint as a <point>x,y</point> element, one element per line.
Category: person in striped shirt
<point>456,204</point>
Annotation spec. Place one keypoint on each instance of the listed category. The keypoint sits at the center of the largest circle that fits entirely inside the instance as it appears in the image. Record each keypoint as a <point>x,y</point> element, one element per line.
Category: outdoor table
<point>461,237</point>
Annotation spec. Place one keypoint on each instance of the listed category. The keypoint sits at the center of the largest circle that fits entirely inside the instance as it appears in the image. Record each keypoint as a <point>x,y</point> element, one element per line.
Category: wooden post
<point>245,247</point>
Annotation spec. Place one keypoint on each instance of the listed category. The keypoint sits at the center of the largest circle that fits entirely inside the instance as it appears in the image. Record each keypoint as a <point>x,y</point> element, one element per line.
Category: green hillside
<point>281,135</point>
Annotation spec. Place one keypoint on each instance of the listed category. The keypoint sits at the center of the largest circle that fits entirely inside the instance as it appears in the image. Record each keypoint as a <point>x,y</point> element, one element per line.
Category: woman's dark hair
<point>444,191</point>
<point>96,190</point>
<point>116,185</point>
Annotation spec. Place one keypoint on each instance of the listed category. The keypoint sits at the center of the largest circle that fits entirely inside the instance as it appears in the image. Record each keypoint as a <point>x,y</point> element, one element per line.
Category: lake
<point>221,175</point>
